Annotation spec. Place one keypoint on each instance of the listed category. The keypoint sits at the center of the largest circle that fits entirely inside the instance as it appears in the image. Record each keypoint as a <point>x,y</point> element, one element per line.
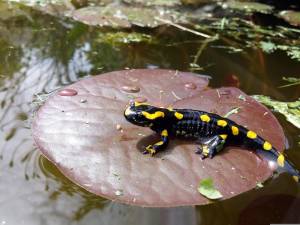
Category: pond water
<point>40,53</point>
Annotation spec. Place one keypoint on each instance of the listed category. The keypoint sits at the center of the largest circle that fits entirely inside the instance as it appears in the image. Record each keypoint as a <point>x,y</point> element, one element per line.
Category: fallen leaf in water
<point>207,188</point>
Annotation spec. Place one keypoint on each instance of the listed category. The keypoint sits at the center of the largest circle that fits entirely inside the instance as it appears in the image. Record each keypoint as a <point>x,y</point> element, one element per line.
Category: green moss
<point>291,110</point>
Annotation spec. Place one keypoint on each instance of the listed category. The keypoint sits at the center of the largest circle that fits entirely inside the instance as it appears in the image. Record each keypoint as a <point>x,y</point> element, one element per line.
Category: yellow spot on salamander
<point>153,116</point>
<point>235,130</point>
<point>222,123</point>
<point>159,143</point>
<point>223,136</point>
<point>150,149</point>
<point>170,109</point>
<point>251,134</point>
<point>205,118</point>
<point>178,115</point>
<point>205,150</point>
<point>267,146</point>
<point>164,133</point>
<point>280,160</point>
<point>140,103</point>
<point>128,111</point>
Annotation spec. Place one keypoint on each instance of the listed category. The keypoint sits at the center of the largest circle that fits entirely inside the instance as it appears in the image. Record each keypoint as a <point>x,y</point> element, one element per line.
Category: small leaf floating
<point>207,189</point>
<point>92,142</point>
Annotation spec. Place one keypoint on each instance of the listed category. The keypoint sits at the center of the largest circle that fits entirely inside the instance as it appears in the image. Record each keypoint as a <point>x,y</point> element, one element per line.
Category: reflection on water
<point>40,54</point>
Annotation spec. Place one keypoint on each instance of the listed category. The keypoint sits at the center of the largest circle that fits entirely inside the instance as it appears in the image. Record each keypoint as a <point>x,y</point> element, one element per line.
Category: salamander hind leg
<point>158,146</point>
<point>210,146</point>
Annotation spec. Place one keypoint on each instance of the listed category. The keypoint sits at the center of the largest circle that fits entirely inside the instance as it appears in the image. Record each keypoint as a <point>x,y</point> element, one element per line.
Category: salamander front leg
<point>210,146</point>
<point>162,144</point>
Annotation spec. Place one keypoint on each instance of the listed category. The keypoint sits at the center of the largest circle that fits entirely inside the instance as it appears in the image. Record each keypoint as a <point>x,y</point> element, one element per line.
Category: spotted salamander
<point>210,130</point>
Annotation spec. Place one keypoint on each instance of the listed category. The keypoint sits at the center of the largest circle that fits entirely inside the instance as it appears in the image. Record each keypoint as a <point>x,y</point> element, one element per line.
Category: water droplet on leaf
<point>68,92</point>
<point>190,86</point>
<point>131,89</point>
<point>119,192</point>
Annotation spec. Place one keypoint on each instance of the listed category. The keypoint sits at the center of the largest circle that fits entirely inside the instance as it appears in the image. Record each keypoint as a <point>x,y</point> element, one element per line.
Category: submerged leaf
<point>291,110</point>
<point>248,6</point>
<point>115,38</point>
<point>207,188</point>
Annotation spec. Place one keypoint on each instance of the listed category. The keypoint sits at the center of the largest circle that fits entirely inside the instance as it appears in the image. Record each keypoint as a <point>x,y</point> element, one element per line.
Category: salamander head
<point>142,114</point>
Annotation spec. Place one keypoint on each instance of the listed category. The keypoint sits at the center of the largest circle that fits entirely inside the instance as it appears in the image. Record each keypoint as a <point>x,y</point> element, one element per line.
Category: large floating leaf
<point>86,136</point>
<point>123,16</point>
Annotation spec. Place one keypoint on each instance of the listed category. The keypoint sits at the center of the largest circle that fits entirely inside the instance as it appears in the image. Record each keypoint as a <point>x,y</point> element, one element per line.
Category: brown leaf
<point>95,147</point>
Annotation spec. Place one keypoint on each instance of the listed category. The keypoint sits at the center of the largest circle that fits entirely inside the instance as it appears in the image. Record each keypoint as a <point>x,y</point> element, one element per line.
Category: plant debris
<point>259,185</point>
<point>248,6</point>
<point>207,189</point>
<point>291,110</point>
<point>233,111</point>
<point>292,81</point>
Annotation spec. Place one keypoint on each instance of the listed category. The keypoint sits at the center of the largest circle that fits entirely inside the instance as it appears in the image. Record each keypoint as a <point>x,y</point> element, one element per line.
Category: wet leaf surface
<point>123,16</point>
<point>95,147</point>
<point>155,2</point>
<point>118,38</point>
<point>248,6</point>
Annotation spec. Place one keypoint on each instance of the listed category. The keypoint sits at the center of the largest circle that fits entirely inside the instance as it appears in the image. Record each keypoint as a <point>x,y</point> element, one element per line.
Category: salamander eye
<point>141,116</point>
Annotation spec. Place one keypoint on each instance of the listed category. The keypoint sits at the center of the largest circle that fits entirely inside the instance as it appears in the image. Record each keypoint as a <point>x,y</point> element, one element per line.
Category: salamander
<point>211,131</point>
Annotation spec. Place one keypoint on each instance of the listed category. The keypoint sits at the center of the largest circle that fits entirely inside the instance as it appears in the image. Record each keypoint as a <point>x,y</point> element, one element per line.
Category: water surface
<point>40,53</point>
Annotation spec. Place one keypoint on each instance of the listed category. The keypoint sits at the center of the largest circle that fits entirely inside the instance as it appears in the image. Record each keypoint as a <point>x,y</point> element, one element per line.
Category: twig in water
<point>182,27</point>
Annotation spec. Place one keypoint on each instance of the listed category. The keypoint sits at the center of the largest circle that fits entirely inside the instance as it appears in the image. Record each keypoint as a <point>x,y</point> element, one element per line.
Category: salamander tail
<point>284,165</point>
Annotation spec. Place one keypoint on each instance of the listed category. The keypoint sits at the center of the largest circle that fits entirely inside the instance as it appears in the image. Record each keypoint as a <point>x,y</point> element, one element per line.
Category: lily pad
<point>155,2</point>
<point>248,6</point>
<point>55,8</point>
<point>124,16</point>
<point>84,133</point>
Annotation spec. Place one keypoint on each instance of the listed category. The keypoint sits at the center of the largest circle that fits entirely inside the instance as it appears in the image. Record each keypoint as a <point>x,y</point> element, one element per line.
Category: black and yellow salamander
<point>210,130</point>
